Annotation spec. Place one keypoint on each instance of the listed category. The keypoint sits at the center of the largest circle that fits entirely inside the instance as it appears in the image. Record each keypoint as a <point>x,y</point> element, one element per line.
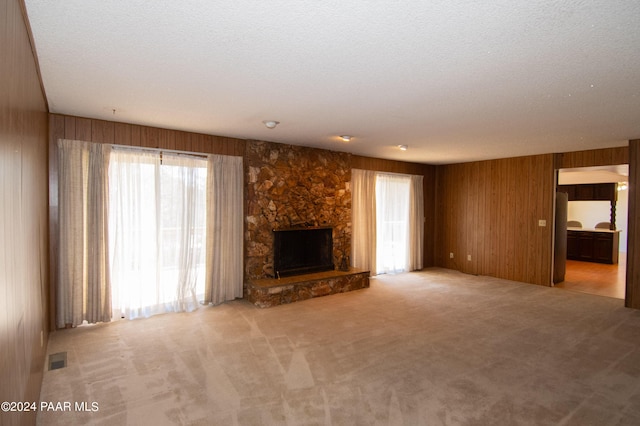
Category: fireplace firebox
<point>302,251</point>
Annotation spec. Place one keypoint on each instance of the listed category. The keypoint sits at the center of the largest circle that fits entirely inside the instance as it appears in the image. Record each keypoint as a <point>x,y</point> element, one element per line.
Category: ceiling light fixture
<point>271,124</point>
<point>345,138</point>
<point>403,147</point>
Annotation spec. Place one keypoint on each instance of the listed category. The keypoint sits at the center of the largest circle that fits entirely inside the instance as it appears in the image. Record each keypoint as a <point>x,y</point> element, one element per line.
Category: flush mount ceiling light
<point>403,147</point>
<point>271,124</point>
<point>346,138</point>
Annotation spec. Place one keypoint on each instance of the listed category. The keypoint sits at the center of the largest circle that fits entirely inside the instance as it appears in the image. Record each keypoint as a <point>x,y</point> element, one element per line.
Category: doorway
<point>586,218</point>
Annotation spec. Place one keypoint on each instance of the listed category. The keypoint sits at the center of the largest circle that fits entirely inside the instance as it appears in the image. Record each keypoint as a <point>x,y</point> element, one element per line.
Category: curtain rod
<point>160,150</point>
<point>387,173</point>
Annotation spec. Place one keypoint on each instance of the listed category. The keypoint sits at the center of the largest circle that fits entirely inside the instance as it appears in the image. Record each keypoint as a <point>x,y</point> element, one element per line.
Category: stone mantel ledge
<point>269,292</point>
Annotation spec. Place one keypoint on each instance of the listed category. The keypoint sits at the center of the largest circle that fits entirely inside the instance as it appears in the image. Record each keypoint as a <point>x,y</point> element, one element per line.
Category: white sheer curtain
<point>157,232</point>
<point>388,221</point>
<point>363,210</point>
<point>392,218</point>
<point>184,227</point>
<point>83,282</point>
<point>225,192</point>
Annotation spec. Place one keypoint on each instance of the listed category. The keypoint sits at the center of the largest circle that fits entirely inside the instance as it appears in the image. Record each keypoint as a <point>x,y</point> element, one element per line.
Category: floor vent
<point>58,360</point>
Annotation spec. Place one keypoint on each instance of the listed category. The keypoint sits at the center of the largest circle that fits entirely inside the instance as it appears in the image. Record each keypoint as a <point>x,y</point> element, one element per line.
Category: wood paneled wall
<point>23,217</point>
<point>429,173</point>
<point>632,296</point>
<point>390,166</point>
<point>593,157</point>
<point>490,210</point>
<point>100,131</point>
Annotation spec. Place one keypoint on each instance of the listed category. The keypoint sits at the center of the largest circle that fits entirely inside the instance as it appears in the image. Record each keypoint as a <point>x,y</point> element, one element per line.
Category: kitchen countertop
<point>593,230</point>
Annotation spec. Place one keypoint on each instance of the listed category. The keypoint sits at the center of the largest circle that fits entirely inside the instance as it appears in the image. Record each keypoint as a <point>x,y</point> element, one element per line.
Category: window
<point>388,221</point>
<point>157,224</point>
<point>392,222</point>
<point>143,232</point>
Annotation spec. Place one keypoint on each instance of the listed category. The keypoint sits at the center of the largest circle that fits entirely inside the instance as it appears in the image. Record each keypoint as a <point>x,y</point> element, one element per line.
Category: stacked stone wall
<point>293,187</point>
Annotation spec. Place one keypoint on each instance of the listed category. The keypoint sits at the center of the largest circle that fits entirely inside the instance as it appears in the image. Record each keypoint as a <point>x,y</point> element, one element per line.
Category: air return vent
<point>58,360</point>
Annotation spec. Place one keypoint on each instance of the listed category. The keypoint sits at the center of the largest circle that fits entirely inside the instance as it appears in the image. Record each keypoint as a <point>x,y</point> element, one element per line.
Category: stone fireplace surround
<point>290,186</point>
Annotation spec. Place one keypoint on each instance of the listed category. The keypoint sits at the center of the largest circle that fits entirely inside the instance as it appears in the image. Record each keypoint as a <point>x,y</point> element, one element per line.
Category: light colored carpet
<point>435,347</point>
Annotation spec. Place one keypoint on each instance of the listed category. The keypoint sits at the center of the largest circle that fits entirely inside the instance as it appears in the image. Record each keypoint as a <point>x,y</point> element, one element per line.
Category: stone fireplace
<point>295,187</point>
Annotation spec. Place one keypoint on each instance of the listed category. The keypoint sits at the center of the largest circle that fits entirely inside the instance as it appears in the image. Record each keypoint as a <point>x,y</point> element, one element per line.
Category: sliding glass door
<point>392,222</point>
<point>157,224</point>
<point>388,221</point>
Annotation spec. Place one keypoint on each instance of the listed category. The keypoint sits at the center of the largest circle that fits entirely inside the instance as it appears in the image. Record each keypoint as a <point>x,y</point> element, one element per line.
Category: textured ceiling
<point>454,80</point>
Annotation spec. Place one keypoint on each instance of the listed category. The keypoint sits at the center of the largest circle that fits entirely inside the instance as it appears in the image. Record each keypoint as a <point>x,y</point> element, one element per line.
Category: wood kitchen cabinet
<point>593,245</point>
<point>591,192</point>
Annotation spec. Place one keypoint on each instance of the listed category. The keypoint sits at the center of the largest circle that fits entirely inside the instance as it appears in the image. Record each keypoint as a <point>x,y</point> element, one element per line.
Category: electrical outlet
<point>542,222</point>
<point>450,255</point>
<point>469,257</point>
